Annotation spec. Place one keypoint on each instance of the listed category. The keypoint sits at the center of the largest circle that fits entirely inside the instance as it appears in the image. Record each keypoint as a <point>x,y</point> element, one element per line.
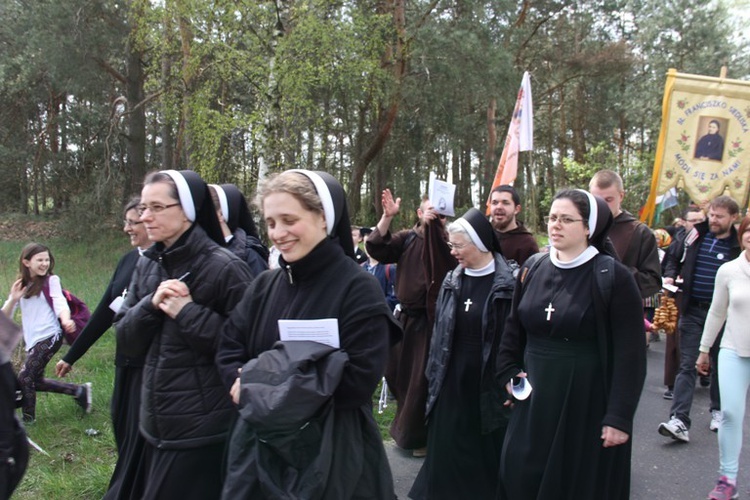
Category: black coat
<point>323,284</point>
<point>183,402</point>
<point>283,444</point>
<point>14,450</point>
<point>495,312</point>
<point>249,249</point>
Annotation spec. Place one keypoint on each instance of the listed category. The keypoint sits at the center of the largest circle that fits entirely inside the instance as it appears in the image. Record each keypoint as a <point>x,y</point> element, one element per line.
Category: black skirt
<point>553,447</point>
<point>461,462</point>
<point>126,403</point>
<point>196,473</point>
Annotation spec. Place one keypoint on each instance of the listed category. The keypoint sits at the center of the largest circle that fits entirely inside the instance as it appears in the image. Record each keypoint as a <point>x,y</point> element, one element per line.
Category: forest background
<point>95,93</point>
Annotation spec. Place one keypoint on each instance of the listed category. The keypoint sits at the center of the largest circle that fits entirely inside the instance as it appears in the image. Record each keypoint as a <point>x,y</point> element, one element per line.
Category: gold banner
<point>704,142</point>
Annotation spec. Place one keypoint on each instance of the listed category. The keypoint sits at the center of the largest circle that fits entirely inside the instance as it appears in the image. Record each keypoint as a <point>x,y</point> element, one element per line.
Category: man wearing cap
<point>516,242</point>
<point>423,259</point>
<point>708,245</point>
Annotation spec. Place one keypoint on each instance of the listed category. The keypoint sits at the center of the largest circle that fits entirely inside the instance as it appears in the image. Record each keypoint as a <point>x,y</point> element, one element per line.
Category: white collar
<point>582,258</point>
<point>482,271</point>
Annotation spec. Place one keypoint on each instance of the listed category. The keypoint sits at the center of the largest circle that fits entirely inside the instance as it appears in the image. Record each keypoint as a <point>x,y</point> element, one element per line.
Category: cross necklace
<point>549,309</point>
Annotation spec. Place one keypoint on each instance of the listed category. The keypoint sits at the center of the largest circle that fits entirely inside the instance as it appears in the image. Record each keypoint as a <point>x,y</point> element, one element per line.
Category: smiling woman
<point>340,453</point>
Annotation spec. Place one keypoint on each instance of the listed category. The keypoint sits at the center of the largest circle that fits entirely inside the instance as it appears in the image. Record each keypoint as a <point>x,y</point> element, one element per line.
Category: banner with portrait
<point>704,140</point>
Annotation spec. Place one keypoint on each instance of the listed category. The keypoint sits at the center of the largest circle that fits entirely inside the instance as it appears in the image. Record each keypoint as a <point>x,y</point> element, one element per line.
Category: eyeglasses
<point>131,223</point>
<point>155,208</point>
<point>457,246</point>
<point>553,219</point>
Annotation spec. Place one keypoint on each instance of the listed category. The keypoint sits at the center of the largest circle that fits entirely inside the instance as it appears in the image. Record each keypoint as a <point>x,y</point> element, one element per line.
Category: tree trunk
<point>182,149</point>
<point>167,140</point>
<point>488,170</point>
<point>396,58</point>
<point>136,159</point>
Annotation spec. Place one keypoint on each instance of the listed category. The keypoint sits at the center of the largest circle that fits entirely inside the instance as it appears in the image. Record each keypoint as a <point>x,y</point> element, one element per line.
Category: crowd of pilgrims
<point>209,403</point>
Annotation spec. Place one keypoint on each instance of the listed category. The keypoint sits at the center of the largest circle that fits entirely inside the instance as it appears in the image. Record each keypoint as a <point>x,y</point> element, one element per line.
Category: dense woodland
<point>95,93</point>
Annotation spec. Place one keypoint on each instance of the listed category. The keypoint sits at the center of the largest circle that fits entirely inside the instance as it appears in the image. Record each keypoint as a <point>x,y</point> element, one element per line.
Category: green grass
<point>80,466</point>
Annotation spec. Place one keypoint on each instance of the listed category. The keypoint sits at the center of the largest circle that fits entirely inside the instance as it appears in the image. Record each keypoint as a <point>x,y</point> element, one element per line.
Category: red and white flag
<point>520,136</point>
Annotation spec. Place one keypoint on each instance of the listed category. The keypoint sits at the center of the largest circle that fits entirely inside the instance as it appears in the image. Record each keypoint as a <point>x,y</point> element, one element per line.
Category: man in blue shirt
<point>706,247</point>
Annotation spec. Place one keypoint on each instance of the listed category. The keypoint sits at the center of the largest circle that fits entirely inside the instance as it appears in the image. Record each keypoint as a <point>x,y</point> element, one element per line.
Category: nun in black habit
<point>182,291</point>
<point>307,221</point>
<point>466,418</point>
<point>239,229</point>
<point>582,350</point>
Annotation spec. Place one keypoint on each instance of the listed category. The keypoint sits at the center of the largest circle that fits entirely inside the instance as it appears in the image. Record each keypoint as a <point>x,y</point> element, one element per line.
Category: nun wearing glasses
<point>183,289</point>
<point>466,416</point>
<point>323,444</point>
<point>575,333</point>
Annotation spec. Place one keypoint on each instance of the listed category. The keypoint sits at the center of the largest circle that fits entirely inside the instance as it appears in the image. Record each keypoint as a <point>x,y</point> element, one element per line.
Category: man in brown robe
<point>423,259</point>
<point>632,239</point>
<point>516,242</point>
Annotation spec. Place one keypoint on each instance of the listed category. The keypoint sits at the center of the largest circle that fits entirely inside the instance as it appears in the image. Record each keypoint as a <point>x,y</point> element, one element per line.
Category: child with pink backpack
<point>43,323</point>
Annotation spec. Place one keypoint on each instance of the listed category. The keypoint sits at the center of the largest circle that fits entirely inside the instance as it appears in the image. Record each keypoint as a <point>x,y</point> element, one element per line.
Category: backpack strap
<point>530,265</point>
<point>604,269</point>
<point>605,277</point>
<point>45,291</point>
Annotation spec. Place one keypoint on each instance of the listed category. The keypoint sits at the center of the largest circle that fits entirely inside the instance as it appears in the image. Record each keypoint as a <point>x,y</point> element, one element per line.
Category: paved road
<point>662,469</point>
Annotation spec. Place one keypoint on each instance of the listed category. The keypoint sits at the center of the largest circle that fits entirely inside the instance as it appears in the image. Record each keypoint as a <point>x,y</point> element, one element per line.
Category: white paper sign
<point>325,331</point>
<point>441,195</point>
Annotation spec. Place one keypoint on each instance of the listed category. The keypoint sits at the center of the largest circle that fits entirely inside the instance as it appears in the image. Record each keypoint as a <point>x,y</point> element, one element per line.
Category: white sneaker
<point>675,429</point>
<point>716,419</point>
<point>83,399</point>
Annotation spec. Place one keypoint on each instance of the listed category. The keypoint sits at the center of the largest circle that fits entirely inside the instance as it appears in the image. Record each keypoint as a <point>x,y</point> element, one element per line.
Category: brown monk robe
<point>423,259</point>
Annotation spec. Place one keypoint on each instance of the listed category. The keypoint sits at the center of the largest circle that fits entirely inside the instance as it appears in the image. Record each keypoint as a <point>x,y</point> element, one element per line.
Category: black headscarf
<point>238,213</point>
<point>600,220</point>
<point>333,197</point>
<point>195,199</point>
<point>480,230</point>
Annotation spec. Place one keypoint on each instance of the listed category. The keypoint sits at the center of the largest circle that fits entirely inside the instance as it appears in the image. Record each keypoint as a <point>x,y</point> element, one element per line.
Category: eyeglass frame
<point>154,209</point>
<point>460,246</point>
<point>131,223</point>
<point>564,220</point>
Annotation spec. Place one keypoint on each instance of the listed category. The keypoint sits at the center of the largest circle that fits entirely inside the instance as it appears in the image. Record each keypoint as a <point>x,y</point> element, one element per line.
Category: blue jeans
<point>690,330</point>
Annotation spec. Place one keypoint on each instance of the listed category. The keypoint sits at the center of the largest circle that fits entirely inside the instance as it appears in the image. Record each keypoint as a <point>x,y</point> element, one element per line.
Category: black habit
<point>583,377</point>
<point>323,284</point>
<point>126,392</point>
